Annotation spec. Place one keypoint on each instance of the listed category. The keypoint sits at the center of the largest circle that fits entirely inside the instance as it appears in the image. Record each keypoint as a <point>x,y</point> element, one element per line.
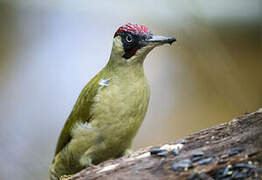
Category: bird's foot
<point>64,177</point>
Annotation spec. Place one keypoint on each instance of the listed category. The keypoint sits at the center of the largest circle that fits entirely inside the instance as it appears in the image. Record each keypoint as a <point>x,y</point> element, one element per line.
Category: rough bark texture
<point>231,150</point>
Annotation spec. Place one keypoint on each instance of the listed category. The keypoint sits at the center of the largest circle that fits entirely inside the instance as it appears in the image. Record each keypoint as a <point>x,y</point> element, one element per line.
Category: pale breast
<point>120,107</point>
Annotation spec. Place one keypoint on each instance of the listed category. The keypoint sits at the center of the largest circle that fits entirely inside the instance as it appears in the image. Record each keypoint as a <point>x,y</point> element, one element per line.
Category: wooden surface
<point>232,149</point>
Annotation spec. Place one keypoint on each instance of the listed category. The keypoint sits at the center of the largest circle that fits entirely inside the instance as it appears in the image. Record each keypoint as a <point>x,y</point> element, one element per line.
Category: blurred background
<point>49,50</point>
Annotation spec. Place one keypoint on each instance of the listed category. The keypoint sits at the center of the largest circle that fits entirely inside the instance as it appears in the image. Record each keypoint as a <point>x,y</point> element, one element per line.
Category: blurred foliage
<point>50,50</point>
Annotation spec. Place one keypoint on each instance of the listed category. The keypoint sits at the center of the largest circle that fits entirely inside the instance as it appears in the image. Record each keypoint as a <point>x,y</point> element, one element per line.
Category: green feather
<point>80,112</point>
<point>114,112</point>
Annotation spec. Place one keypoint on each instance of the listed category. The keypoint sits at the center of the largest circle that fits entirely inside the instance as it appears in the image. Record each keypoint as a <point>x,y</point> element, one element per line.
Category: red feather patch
<point>135,28</point>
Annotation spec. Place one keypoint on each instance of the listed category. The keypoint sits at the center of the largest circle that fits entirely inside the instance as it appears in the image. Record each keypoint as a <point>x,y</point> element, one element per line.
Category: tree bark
<point>231,150</point>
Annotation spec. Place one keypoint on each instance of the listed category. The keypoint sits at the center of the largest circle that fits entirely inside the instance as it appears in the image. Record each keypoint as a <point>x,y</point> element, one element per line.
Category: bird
<point>111,107</point>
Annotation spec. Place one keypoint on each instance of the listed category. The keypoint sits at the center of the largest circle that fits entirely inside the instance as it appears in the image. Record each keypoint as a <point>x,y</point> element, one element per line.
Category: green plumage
<point>103,121</point>
<point>80,112</point>
<point>108,112</point>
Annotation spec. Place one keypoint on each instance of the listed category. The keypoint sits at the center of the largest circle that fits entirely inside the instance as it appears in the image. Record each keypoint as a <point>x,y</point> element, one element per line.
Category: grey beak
<point>160,39</point>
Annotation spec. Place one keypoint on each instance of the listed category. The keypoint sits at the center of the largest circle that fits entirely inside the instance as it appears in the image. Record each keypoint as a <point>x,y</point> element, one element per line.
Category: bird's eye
<point>129,39</point>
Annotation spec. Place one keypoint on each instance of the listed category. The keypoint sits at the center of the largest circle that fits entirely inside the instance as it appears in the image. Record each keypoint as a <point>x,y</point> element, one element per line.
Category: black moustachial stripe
<point>131,48</point>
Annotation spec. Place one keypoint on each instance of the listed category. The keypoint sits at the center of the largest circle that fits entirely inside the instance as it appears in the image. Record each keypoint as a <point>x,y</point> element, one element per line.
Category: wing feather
<point>80,112</point>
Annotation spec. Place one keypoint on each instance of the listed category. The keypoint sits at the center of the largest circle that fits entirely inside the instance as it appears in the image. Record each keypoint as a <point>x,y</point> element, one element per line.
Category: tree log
<point>231,150</point>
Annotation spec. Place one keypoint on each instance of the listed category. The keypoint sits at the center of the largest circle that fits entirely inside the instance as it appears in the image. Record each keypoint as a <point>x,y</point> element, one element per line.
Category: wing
<point>80,112</point>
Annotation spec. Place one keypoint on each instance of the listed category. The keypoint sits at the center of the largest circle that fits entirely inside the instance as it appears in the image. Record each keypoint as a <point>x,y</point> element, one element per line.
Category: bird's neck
<point>117,66</point>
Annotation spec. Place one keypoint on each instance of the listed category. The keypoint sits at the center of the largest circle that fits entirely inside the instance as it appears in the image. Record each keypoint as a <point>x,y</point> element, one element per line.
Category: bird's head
<point>132,42</point>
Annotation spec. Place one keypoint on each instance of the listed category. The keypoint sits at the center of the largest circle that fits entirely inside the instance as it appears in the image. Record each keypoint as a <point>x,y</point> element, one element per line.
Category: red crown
<point>135,28</point>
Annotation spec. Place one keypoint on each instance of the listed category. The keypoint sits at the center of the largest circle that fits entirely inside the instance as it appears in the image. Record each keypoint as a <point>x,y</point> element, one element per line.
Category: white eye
<point>129,39</point>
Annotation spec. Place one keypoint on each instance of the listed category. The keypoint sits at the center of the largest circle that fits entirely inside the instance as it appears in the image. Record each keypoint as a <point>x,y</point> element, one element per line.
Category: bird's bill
<point>160,39</point>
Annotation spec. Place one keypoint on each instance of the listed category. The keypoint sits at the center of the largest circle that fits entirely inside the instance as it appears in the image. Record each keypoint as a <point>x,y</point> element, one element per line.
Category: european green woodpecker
<point>111,107</point>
